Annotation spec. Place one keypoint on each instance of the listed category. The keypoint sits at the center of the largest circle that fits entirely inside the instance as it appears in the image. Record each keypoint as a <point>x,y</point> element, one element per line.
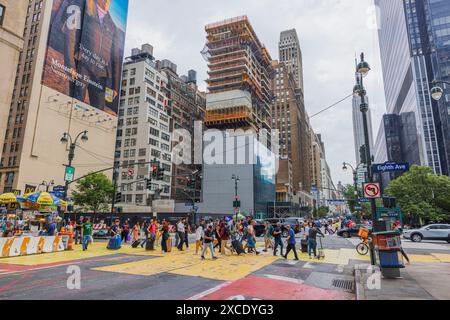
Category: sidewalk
<point>420,281</point>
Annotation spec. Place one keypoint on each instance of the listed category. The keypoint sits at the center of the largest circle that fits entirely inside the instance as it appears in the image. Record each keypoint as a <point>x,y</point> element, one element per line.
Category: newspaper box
<point>388,252</point>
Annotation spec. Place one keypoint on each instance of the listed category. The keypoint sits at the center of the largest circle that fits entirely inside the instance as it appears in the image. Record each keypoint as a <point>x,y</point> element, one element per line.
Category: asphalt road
<point>136,274</point>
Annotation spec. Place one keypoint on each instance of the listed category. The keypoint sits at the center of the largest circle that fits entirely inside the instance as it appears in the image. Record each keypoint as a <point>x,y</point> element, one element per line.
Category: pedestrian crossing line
<point>210,291</point>
<point>281,278</point>
<point>229,268</point>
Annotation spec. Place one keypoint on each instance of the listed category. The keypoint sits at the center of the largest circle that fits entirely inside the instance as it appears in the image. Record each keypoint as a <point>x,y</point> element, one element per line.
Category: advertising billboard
<point>85,51</point>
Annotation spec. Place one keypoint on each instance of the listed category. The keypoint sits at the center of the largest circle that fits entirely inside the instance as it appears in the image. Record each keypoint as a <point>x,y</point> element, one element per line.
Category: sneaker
<point>203,258</point>
<point>215,258</point>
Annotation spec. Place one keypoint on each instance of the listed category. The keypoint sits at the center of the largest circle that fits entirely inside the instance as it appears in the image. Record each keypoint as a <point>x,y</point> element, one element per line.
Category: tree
<point>349,195</point>
<point>422,195</point>
<point>94,193</point>
<point>322,212</point>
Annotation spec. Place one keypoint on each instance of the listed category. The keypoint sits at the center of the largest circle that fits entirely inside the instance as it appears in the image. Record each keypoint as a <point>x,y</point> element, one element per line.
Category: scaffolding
<point>238,61</point>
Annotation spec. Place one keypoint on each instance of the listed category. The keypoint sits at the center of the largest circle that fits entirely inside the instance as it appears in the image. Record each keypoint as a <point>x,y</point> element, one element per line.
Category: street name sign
<point>390,167</point>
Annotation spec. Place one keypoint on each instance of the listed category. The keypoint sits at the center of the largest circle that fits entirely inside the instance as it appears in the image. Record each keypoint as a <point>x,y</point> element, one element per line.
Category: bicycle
<point>363,247</point>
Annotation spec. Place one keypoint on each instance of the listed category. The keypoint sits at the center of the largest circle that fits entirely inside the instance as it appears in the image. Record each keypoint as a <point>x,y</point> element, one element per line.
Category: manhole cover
<point>343,284</point>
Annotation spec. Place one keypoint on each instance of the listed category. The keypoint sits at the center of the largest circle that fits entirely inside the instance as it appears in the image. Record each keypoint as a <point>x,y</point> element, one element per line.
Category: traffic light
<point>191,183</point>
<point>118,197</point>
<point>160,174</point>
<point>148,184</point>
<point>389,202</point>
<point>363,154</point>
<point>155,172</point>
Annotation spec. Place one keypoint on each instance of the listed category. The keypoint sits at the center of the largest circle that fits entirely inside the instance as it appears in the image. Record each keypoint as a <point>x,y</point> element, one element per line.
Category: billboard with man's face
<point>85,50</point>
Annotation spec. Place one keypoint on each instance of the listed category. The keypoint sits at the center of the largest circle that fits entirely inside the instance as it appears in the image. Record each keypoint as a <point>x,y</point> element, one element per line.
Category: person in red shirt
<point>224,238</point>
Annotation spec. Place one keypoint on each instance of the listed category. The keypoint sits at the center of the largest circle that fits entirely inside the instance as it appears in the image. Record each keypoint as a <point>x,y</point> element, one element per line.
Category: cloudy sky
<point>330,32</point>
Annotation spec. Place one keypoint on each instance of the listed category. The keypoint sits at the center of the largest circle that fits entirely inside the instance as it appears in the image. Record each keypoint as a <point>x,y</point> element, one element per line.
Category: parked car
<point>352,232</point>
<point>429,232</point>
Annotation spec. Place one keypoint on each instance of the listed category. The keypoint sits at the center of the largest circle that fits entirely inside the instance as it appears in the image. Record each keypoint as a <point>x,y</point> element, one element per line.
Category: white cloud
<point>331,32</point>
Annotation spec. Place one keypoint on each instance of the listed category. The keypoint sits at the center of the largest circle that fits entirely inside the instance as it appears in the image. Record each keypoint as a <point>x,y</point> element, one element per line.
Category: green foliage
<point>94,193</point>
<point>349,195</point>
<point>322,212</point>
<point>422,195</point>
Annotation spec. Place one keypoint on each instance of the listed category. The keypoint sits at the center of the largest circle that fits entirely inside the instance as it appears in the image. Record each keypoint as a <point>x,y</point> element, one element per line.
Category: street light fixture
<point>67,138</point>
<point>363,67</point>
<point>436,91</point>
<point>47,185</point>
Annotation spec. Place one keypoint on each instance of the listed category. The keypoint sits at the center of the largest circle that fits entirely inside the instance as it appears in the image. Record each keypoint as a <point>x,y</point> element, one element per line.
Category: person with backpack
<point>208,242</point>
<point>224,238</point>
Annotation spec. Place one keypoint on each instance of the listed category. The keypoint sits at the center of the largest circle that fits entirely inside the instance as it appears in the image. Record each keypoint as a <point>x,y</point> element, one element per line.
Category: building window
<point>2,13</point>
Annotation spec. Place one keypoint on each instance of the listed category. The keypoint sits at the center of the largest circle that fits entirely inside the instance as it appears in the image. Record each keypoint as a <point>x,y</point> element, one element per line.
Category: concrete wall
<point>218,189</point>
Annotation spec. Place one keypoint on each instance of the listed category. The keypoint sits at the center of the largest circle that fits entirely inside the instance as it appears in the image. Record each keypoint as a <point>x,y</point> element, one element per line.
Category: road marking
<point>308,266</point>
<point>281,278</point>
<point>208,292</point>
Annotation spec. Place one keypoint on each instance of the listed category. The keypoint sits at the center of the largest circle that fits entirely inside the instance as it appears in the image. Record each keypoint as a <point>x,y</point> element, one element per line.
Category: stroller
<point>321,253</point>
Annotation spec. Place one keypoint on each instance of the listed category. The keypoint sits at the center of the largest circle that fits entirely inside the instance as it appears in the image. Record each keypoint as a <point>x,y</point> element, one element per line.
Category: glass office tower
<point>415,49</point>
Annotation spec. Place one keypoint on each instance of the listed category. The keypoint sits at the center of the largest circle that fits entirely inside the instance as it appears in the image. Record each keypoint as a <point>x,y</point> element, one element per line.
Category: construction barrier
<point>23,246</point>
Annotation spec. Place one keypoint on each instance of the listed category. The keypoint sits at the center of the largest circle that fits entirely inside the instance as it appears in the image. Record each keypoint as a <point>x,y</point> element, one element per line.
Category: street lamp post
<point>362,69</point>
<point>67,138</point>
<point>236,180</point>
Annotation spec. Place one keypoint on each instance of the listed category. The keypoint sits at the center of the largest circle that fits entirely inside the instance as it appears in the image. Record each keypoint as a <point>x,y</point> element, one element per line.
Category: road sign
<point>59,188</point>
<point>70,174</point>
<point>336,202</point>
<point>364,200</point>
<point>372,190</point>
<point>130,172</point>
<point>390,167</point>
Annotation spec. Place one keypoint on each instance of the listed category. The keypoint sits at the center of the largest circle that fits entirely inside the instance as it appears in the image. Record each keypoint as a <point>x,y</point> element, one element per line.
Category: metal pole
<point>114,181</point>
<point>71,157</point>
<point>364,107</point>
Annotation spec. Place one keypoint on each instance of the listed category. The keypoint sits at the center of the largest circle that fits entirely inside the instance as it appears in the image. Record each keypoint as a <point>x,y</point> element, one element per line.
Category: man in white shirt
<point>181,234</point>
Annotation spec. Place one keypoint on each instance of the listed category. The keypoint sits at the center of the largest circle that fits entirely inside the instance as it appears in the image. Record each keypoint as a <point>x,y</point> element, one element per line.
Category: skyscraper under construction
<point>240,71</point>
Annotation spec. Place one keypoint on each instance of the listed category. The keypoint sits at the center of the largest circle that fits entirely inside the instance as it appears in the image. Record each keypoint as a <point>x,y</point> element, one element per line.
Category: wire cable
<point>333,105</point>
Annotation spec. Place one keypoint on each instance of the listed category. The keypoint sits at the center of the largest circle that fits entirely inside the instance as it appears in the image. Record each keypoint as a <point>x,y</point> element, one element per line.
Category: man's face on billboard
<point>104,4</point>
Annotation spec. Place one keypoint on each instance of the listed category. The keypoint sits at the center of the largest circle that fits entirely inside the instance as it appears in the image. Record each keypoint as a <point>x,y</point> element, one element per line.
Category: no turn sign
<point>372,190</point>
